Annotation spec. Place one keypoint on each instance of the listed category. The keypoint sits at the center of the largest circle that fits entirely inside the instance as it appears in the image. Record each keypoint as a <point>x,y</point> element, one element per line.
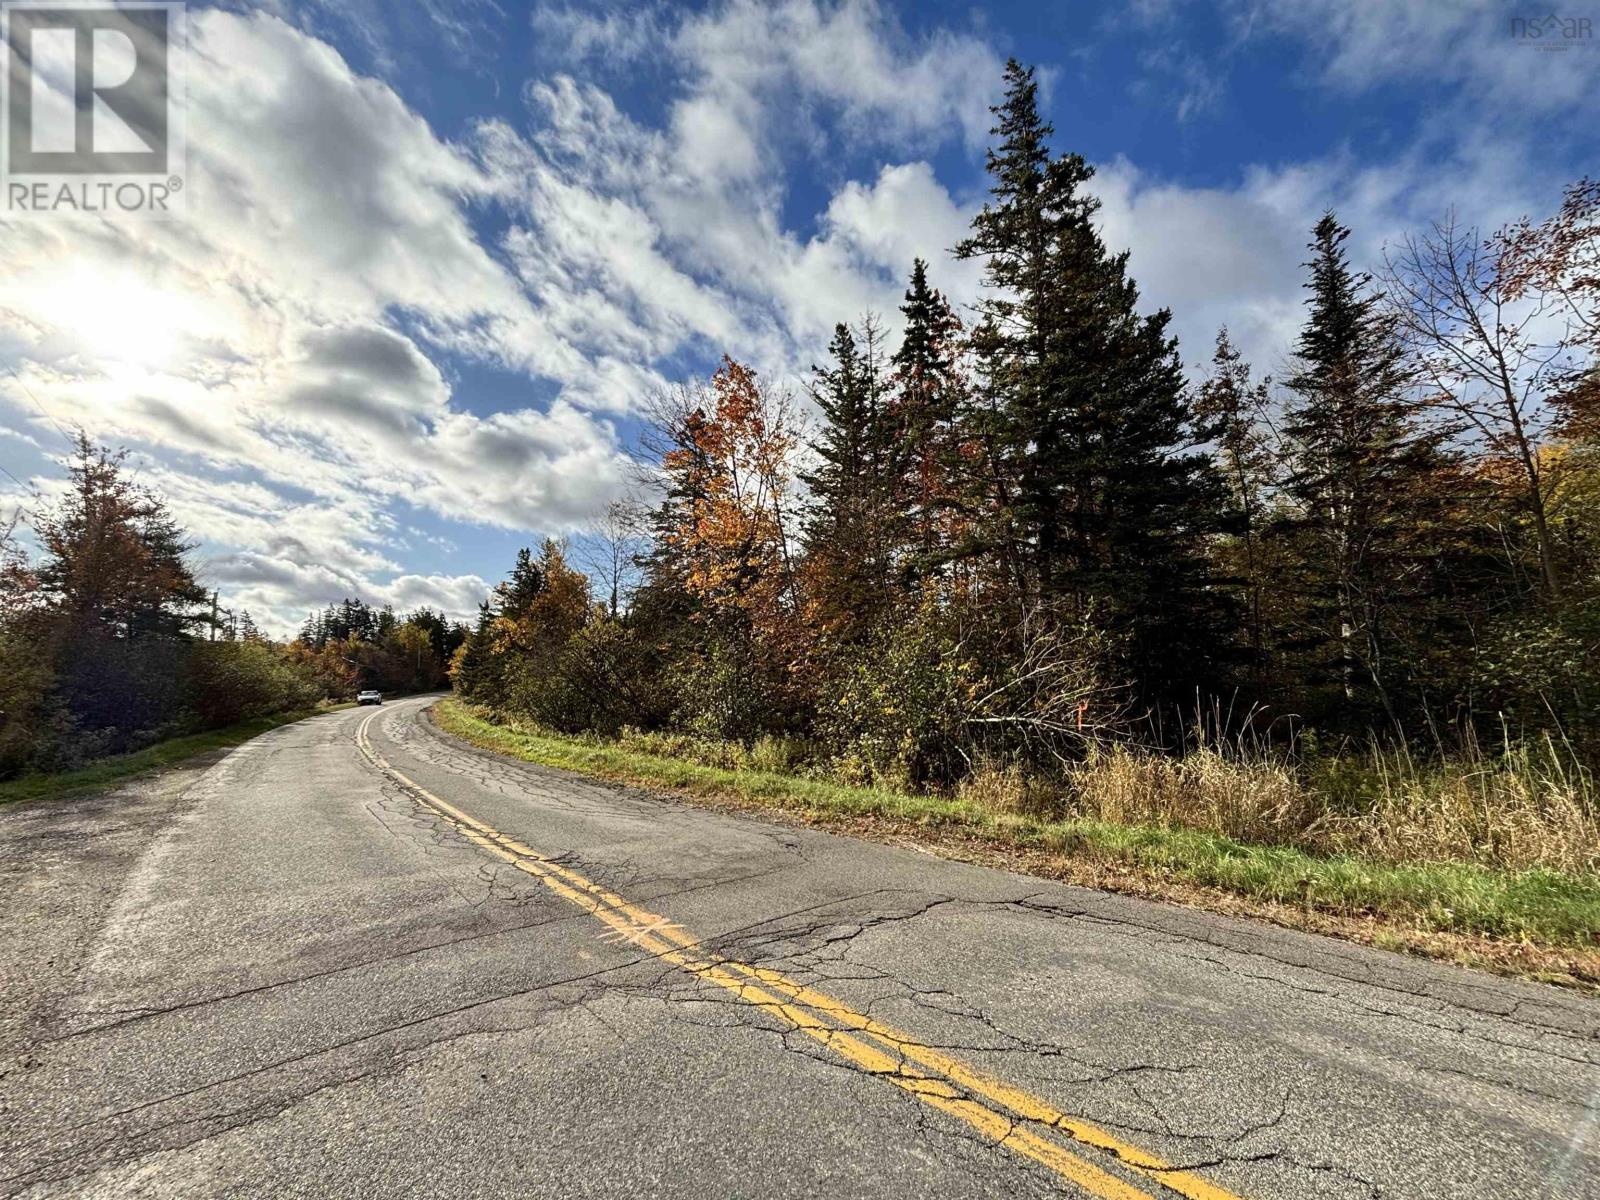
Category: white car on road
<point>369,697</point>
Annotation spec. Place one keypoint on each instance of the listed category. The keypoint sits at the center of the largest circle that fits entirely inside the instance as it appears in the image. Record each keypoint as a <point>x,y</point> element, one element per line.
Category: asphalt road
<point>357,958</point>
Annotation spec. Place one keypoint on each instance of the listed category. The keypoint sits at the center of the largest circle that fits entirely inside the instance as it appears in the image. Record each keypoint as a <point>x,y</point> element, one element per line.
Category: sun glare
<point>117,320</point>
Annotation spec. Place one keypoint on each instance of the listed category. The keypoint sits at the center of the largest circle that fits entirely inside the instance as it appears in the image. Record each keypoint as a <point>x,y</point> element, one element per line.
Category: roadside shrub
<point>1540,674</point>
<point>616,678</point>
<point>538,689</point>
<point>728,691</point>
<point>896,715</point>
<point>936,689</point>
<point>32,723</point>
<point>228,682</point>
<point>122,693</point>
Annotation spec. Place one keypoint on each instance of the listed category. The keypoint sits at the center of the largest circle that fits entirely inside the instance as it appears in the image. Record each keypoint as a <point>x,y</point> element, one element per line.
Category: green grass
<point>105,772</point>
<point>1543,907</point>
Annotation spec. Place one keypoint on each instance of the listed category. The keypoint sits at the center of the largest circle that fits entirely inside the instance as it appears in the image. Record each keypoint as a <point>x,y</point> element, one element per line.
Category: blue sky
<point>436,255</point>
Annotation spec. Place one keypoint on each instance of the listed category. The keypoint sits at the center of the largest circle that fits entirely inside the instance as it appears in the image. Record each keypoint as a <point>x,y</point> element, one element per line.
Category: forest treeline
<point>108,642</point>
<point>1019,536</point>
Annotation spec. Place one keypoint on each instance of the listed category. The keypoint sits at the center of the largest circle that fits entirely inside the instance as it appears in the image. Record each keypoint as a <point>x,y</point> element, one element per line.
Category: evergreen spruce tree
<point>114,559</point>
<point>686,487</point>
<point>517,594</point>
<point>1360,474</point>
<point>848,527</point>
<point>1231,406</point>
<point>922,451</point>
<point>1105,498</point>
<point>478,668</point>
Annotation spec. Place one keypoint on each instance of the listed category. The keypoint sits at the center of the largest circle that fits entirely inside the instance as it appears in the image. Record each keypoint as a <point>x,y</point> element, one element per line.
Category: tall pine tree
<point>1106,499</point>
<point>1233,406</point>
<point>850,521</point>
<point>515,596</point>
<point>924,451</point>
<point>1360,484</point>
<point>114,559</point>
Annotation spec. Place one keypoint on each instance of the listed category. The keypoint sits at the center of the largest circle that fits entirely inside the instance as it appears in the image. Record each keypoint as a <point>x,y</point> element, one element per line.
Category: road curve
<point>355,957</point>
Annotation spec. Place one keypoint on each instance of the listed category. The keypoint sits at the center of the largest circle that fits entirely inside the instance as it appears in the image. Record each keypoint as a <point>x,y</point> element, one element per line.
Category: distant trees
<point>109,642</point>
<point>100,639</point>
<point>350,645</point>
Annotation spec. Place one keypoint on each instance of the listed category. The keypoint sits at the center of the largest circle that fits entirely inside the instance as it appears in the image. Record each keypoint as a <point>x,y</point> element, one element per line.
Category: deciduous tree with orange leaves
<point>729,473</point>
<point>723,558</point>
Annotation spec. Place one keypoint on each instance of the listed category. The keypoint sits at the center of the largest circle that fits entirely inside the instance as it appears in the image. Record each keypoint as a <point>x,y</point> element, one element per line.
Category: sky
<point>436,256</point>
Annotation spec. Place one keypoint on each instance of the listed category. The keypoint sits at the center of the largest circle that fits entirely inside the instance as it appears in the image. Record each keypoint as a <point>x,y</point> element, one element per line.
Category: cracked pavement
<point>278,974</point>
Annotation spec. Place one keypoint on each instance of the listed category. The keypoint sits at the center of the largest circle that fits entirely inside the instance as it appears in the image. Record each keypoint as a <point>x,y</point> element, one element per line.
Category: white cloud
<point>906,213</point>
<point>888,86</point>
<point>1482,70</point>
<point>457,595</point>
<point>259,336</point>
<point>619,36</point>
<point>678,231</point>
<point>1233,255</point>
<point>1467,42</point>
<point>751,71</point>
<point>281,342</point>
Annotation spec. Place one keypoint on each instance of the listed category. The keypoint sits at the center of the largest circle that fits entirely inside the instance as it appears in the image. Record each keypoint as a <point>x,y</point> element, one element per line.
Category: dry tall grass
<point>1534,805</point>
<point>1257,800</point>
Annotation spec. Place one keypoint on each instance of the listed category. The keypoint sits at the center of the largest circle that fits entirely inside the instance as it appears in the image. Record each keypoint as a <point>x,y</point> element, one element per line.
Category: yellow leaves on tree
<point>729,473</point>
<point>556,605</point>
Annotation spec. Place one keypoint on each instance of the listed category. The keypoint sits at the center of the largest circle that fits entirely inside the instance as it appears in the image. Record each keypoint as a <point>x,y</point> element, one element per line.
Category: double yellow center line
<point>1010,1117</point>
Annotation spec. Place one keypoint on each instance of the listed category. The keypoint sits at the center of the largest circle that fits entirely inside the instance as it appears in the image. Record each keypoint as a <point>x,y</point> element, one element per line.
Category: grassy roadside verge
<point>1539,923</point>
<point>119,767</point>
